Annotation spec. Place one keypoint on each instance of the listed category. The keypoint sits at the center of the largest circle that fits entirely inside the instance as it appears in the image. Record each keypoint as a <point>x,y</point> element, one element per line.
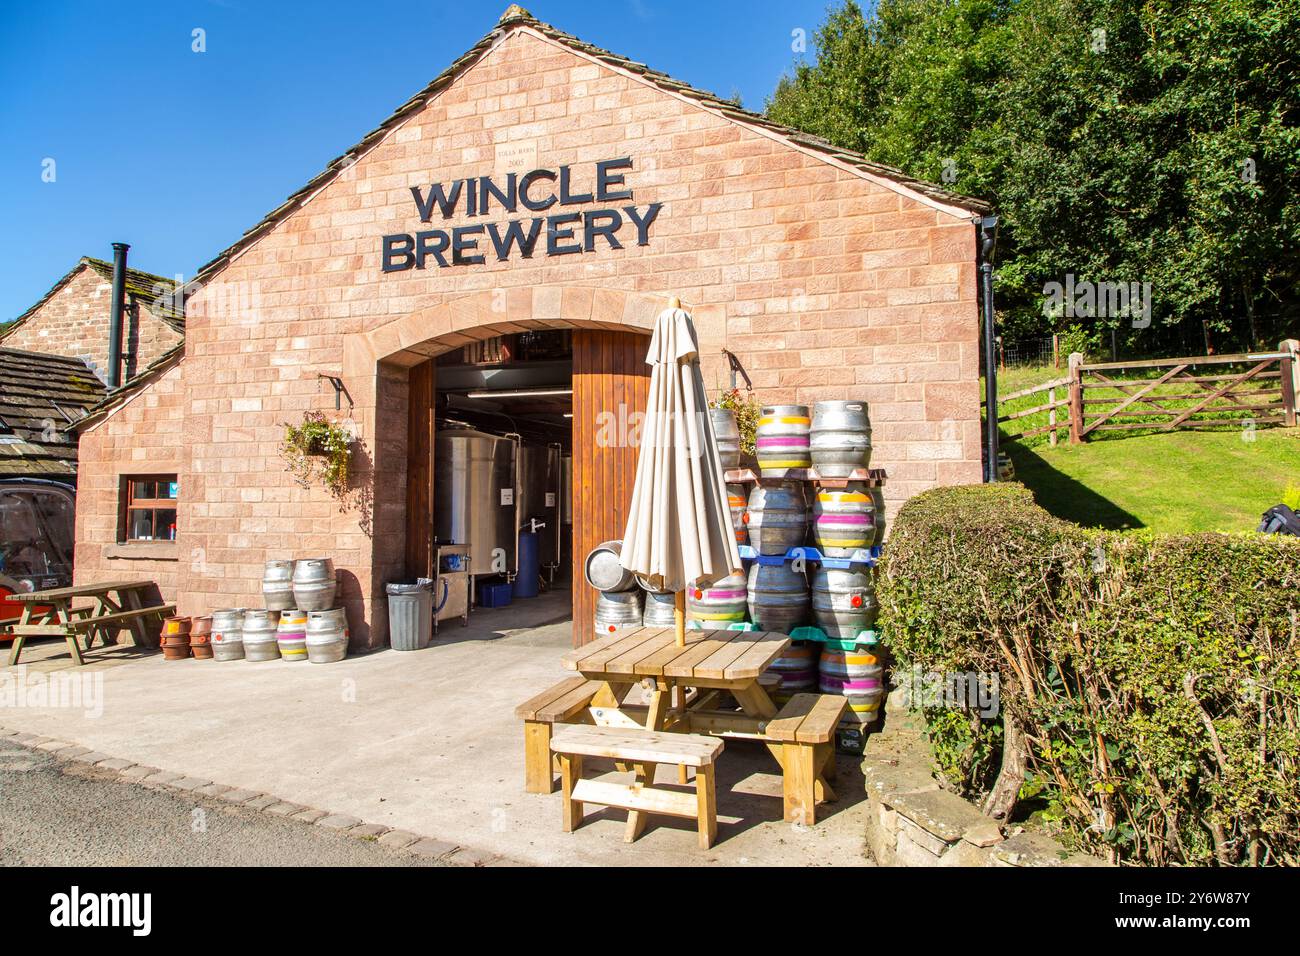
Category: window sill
<point>144,550</point>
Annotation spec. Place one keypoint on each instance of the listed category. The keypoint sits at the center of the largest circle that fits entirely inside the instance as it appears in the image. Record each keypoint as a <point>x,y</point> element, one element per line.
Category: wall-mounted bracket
<point>340,391</point>
<point>734,367</point>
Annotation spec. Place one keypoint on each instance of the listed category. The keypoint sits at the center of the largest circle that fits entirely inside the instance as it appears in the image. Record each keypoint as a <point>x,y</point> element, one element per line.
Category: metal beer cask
<point>314,585</point>
<point>844,601</point>
<point>778,517</point>
<point>720,604</point>
<point>327,636</point>
<point>618,611</point>
<point>175,638</point>
<point>228,634</point>
<point>849,662</point>
<point>291,634</point>
<point>259,635</point>
<point>603,570</point>
<point>844,520</point>
<point>727,434</point>
<point>795,671</point>
<point>840,438</point>
<point>863,695</point>
<point>201,637</point>
<point>737,505</point>
<point>878,499</point>
<point>781,441</point>
<point>659,608</point>
<point>778,597</point>
<point>277,585</point>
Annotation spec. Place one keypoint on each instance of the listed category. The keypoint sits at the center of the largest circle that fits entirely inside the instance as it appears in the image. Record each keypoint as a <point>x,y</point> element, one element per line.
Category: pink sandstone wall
<point>74,321</point>
<point>825,285</point>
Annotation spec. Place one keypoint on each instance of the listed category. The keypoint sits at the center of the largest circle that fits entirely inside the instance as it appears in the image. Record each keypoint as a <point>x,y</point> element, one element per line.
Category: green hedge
<point>1153,679</point>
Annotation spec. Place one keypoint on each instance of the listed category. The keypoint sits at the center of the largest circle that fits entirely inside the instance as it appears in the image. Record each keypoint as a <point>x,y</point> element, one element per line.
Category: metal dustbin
<point>410,614</point>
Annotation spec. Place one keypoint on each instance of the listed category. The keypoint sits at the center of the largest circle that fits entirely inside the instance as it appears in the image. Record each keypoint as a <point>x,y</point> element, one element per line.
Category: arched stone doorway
<point>609,331</point>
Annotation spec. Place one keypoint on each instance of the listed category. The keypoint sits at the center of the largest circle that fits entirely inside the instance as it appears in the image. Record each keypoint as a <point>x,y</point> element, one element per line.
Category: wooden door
<point>611,382</point>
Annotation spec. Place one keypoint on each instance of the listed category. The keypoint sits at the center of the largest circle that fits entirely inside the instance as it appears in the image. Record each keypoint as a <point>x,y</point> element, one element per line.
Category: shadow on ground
<point>1064,497</point>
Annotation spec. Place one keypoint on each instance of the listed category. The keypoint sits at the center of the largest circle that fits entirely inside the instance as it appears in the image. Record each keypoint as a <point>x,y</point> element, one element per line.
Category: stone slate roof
<point>160,293</point>
<point>42,395</point>
<point>164,303</point>
<point>516,17</point>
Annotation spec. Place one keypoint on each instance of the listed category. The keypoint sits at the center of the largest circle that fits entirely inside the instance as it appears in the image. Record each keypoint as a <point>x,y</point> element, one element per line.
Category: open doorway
<point>522,449</point>
<point>503,416</point>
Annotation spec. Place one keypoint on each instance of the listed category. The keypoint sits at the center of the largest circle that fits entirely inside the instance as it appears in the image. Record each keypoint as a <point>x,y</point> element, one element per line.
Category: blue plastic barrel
<point>530,567</point>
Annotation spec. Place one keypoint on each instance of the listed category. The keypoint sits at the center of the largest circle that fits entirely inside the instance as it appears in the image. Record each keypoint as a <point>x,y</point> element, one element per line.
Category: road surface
<point>61,813</point>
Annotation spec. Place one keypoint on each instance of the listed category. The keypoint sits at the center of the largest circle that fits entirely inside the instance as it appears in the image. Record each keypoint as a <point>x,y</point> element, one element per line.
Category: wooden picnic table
<point>113,606</point>
<point>689,693</point>
<point>713,663</point>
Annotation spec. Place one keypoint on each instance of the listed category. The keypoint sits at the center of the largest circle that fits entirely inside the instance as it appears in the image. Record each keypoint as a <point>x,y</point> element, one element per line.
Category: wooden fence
<point>1242,390</point>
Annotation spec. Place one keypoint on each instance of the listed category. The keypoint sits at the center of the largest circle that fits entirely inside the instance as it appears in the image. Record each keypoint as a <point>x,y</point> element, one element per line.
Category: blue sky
<point>178,152</point>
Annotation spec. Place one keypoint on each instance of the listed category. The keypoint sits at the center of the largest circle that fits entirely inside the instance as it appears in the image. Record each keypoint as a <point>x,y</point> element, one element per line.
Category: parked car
<point>36,538</point>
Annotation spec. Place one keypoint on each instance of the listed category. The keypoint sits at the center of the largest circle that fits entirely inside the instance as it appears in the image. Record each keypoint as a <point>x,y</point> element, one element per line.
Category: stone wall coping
<point>915,822</point>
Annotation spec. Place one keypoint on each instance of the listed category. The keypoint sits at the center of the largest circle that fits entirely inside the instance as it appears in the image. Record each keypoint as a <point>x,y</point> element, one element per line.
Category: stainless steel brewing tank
<point>539,496</point>
<point>474,497</point>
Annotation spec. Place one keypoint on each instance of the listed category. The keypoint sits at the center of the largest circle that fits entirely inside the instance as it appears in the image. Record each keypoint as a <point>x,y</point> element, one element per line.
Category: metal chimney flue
<point>117,310</point>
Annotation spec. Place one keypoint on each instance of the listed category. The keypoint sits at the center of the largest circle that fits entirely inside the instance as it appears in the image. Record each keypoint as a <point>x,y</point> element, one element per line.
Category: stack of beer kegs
<point>854,672</point>
<point>620,603</point>
<point>796,671</point>
<point>719,605</point>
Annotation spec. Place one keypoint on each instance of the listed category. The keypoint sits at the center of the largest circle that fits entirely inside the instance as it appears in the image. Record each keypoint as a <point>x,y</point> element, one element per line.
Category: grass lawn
<point>1189,480</point>
<point>1175,481</point>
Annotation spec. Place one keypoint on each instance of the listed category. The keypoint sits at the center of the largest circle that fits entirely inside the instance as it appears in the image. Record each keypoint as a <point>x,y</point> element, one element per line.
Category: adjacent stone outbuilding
<point>826,275</point>
<point>72,319</point>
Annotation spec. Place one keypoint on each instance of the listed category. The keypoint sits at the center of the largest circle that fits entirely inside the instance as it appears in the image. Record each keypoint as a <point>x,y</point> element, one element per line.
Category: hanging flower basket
<point>318,450</point>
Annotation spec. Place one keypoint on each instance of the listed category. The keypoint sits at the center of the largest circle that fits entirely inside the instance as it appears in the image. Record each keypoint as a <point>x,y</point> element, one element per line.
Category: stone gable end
<point>74,322</point>
<point>825,284</point>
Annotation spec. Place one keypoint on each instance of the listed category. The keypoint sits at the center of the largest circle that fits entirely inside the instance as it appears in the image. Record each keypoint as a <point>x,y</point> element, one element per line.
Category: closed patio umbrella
<point>679,532</point>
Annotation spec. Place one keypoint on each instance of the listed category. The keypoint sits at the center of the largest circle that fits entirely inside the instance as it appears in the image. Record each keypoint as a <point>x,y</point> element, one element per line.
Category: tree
<point>1119,142</point>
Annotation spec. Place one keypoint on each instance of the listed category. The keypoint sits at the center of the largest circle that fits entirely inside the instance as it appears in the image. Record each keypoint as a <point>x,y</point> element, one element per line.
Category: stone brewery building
<point>538,203</point>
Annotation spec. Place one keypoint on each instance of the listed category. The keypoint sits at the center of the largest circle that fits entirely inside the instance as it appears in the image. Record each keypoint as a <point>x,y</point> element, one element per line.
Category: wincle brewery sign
<point>560,233</point>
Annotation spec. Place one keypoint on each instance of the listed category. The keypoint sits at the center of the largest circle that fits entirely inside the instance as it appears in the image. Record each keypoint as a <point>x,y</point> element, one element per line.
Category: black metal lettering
<point>446,203</point>
<point>433,242</point>
<point>398,244</point>
<point>592,229</point>
<point>643,225</point>
<point>528,201</point>
<point>604,180</point>
<point>554,234</point>
<point>515,236</point>
<point>460,245</point>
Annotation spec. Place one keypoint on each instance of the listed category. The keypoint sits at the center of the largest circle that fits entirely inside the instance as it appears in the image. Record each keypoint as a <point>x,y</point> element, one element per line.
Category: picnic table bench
<point>692,689</point>
<point>645,750</point>
<point>105,615</point>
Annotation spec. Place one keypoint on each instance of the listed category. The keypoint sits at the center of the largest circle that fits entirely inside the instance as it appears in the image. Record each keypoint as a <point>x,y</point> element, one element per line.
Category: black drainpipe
<point>117,309</point>
<point>988,234</point>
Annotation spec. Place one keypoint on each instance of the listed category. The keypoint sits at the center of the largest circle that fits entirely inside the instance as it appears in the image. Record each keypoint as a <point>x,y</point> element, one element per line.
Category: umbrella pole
<point>679,617</point>
<point>679,597</point>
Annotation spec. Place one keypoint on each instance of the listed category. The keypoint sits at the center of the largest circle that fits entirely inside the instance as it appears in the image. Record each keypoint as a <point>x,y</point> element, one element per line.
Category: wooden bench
<point>559,703</point>
<point>79,624</point>
<point>645,750</point>
<point>801,736</point>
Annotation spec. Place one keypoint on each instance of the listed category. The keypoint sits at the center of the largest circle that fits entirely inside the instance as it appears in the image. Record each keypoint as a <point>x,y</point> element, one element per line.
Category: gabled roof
<point>516,18</point>
<point>158,291</point>
<point>42,395</point>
